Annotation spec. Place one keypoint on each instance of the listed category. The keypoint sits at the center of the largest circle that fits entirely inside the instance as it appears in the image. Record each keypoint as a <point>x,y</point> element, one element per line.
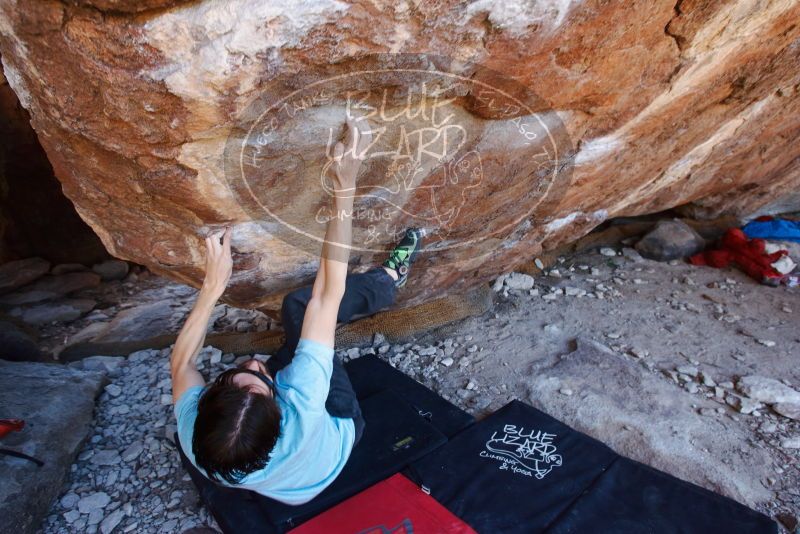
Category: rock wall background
<point>36,219</point>
<point>691,104</point>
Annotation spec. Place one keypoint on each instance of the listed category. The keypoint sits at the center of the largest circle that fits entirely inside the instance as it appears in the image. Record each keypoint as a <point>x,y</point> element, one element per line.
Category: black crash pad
<point>633,497</point>
<point>395,435</point>
<point>235,510</point>
<point>370,375</point>
<point>522,471</point>
<point>515,471</point>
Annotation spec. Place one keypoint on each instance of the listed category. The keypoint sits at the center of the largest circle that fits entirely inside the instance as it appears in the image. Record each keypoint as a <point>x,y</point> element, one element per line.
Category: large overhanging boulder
<point>504,127</point>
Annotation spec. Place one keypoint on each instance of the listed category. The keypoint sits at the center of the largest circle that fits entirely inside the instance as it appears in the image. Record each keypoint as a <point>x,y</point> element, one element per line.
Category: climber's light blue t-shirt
<point>313,446</point>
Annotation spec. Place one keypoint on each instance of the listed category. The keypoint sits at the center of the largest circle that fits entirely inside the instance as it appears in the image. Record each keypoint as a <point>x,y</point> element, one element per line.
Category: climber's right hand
<point>219,264</point>
<point>347,156</point>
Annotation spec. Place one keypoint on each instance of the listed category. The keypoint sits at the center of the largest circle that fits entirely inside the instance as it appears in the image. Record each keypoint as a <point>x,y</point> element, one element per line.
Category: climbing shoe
<point>403,255</point>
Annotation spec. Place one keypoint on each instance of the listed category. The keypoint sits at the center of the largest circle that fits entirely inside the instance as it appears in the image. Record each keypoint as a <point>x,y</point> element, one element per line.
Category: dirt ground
<point>650,368</point>
<point>644,356</point>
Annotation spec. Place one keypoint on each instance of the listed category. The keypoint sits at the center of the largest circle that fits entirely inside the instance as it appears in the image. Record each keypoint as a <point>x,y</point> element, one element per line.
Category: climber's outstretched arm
<point>190,340</point>
<point>319,323</point>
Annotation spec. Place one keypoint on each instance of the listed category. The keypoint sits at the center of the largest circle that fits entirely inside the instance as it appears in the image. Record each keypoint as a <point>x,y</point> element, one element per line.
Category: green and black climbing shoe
<point>403,255</point>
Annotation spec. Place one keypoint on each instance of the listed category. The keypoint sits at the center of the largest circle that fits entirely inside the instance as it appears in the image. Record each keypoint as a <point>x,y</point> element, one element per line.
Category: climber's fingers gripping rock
<point>349,155</point>
<point>219,264</point>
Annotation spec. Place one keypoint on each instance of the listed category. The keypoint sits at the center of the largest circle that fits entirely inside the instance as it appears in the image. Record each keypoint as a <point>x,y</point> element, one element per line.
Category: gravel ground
<point>128,477</point>
<point>697,329</point>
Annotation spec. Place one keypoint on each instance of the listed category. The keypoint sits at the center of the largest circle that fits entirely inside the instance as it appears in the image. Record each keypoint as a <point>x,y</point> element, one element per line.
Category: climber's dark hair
<point>235,430</point>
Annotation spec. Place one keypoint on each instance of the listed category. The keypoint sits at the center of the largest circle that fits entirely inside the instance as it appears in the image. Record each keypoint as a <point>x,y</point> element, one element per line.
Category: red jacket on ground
<point>748,254</point>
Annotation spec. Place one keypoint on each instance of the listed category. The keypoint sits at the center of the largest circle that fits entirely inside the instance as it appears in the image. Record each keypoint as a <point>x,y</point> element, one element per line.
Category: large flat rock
<point>17,273</point>
<point>137,323</point>
<point>62,310</point>
<point>17,344</point>
<point>650,420</point>
<point>57,404</point>
<point>51,287</point>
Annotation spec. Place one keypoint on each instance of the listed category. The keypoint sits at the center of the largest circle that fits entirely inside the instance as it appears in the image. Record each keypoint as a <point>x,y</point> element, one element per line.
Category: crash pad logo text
<point>526,452</point>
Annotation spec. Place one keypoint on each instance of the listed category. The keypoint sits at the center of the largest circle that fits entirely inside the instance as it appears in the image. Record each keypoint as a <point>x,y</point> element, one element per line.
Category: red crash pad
<point>394,506</point>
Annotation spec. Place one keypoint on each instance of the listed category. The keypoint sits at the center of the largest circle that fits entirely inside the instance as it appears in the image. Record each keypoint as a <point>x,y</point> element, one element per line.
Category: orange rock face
<point>501,127</point>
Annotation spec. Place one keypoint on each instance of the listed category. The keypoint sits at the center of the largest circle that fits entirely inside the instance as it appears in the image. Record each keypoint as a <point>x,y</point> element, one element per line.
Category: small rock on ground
<point>112,269</point>
<point>767,390</point>
<point>670,240</point>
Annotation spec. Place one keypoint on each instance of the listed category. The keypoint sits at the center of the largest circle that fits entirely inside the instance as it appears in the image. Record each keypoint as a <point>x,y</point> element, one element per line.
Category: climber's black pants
<point>364,294</point>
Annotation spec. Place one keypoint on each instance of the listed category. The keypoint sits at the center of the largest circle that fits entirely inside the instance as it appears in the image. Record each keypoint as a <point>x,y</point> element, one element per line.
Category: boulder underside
<point>503,128</point>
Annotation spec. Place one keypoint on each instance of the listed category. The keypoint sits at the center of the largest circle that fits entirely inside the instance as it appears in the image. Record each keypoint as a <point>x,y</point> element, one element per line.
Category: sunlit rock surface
<point>529,124</point>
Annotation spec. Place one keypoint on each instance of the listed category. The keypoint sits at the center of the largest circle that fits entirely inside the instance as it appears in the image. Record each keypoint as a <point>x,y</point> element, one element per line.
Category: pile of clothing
<point>748,249</point>
<point>773,229</point>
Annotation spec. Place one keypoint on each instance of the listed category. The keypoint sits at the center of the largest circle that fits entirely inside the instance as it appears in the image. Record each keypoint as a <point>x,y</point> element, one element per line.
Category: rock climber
<point>286,429</point>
